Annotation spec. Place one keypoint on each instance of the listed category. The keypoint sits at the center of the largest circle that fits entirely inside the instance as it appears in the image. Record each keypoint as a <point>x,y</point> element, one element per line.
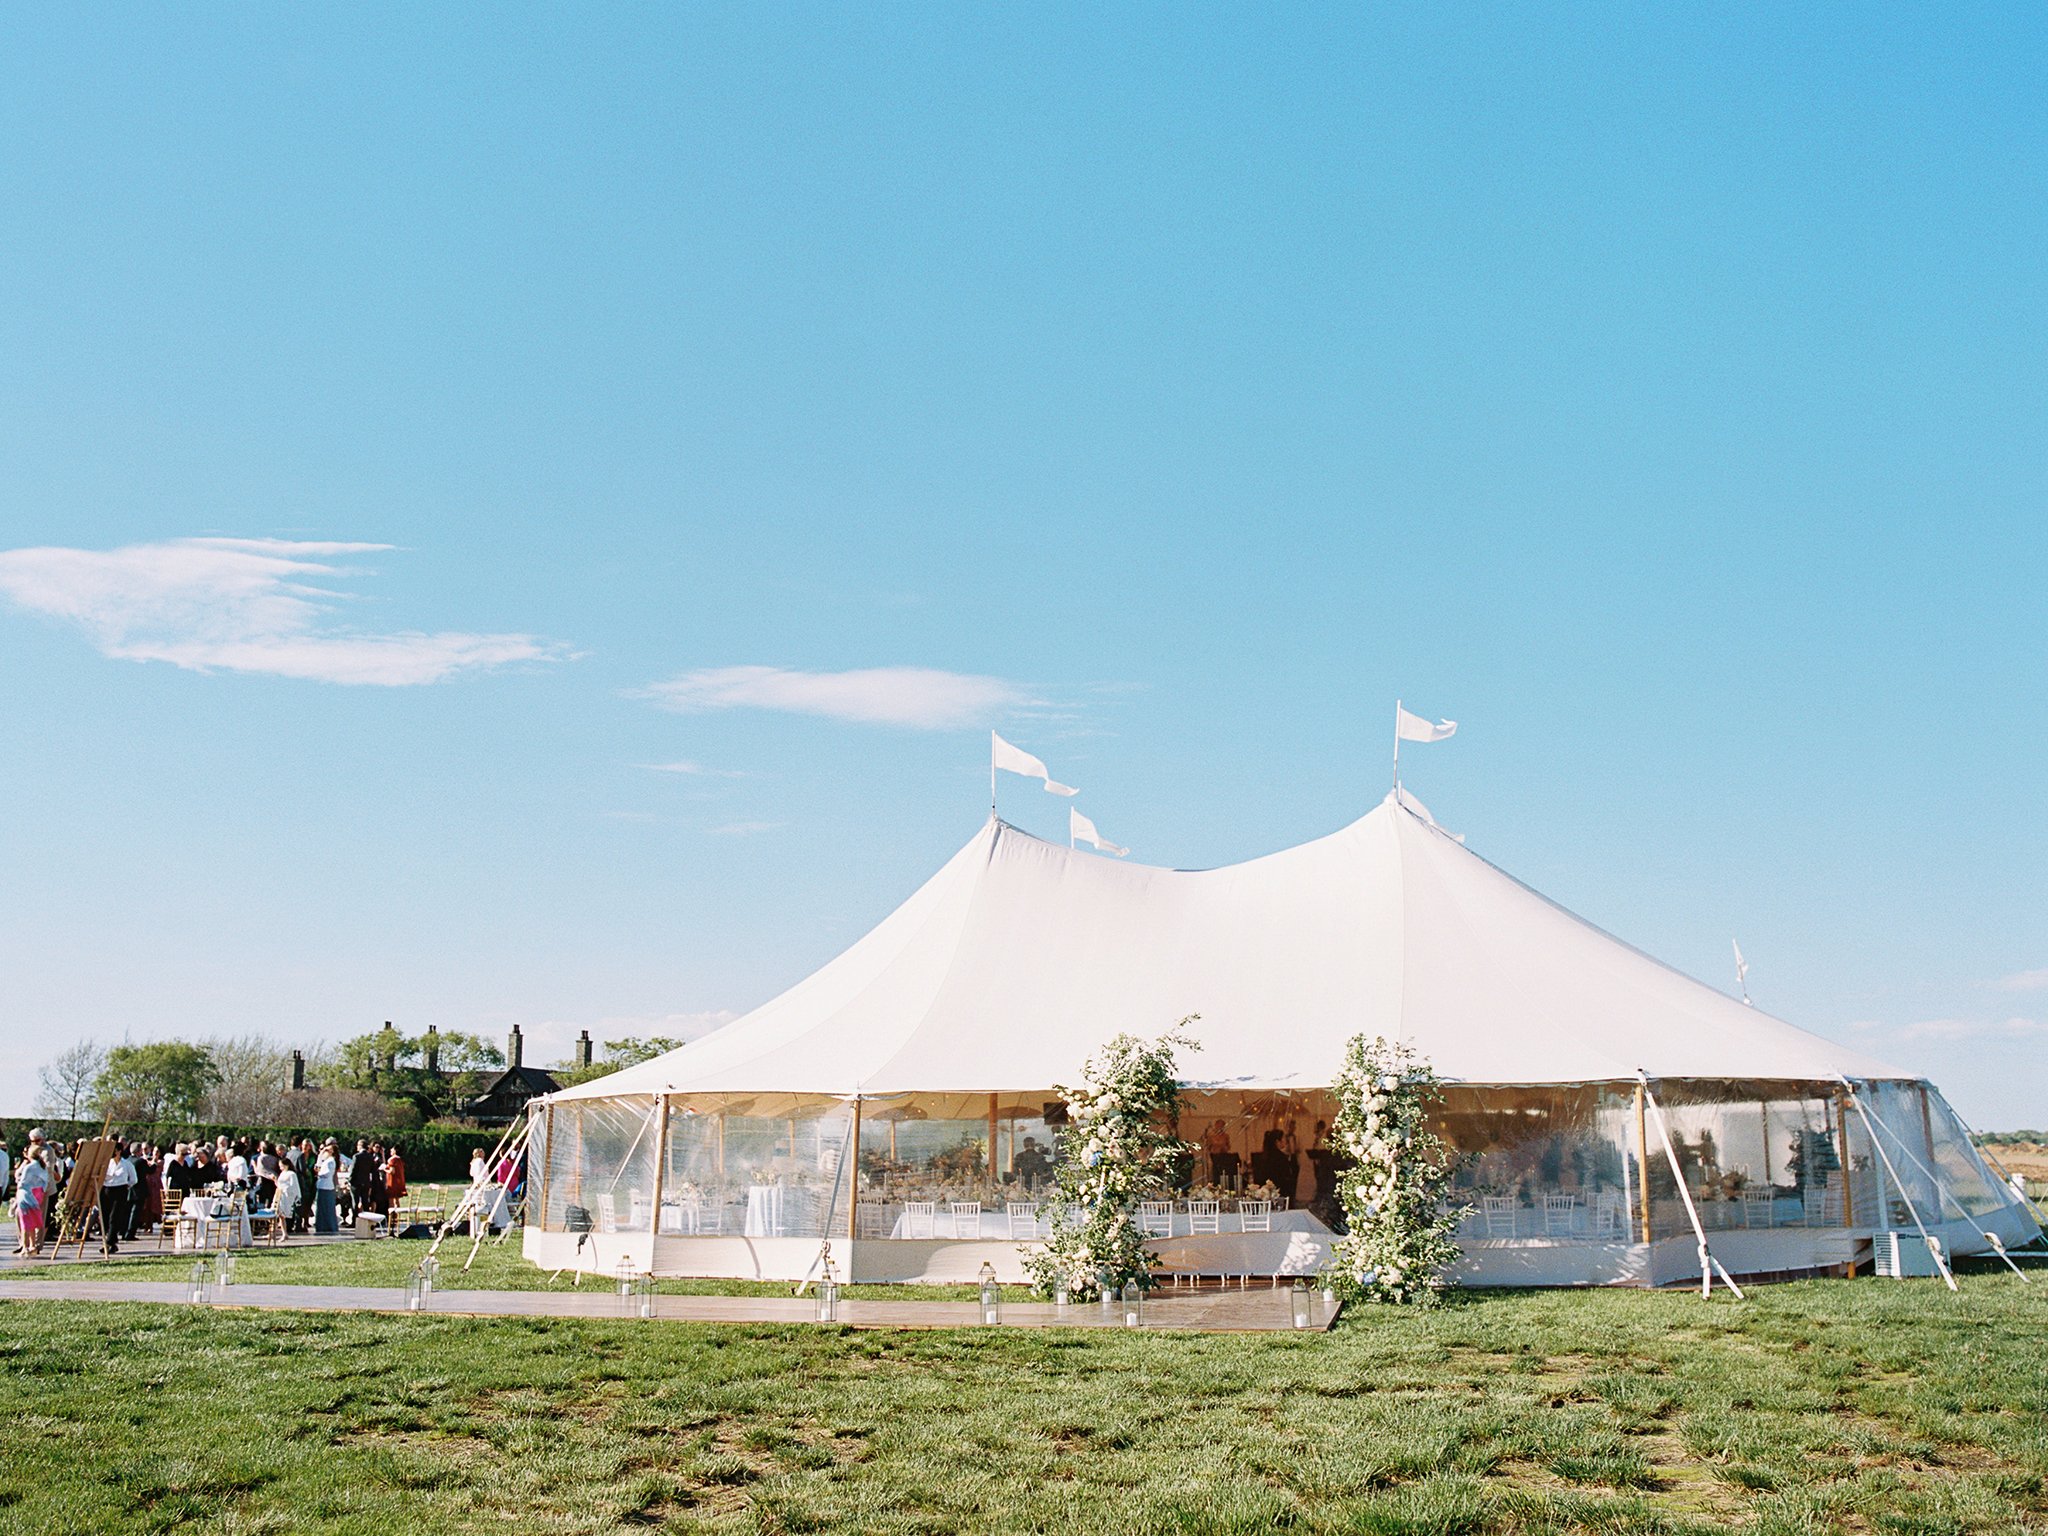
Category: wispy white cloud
<point>242,605</point>
<point>747,828</point>
<point>921,698</point>
<point>695,770</point>
<point>1973,1029</point>
<point>2024,981</point>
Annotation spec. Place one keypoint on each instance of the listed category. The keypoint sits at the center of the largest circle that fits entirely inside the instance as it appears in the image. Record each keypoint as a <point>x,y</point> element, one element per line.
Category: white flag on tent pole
<point>1016,760</point>
<point>1081,830</point>
<point>1410,727</point>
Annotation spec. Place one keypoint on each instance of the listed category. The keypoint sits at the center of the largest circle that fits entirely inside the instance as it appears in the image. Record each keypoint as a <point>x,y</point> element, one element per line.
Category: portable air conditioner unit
<point>1901,1255</point>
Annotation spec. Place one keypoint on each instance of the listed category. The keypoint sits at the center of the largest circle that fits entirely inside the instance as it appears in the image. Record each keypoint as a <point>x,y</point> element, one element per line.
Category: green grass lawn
<point>1819,1407</point>
<point>386,1262</point>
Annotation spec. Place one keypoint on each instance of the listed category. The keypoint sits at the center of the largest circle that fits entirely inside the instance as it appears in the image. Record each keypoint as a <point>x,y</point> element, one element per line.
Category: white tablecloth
<point>203,1215</point>
<point>764,1210</point>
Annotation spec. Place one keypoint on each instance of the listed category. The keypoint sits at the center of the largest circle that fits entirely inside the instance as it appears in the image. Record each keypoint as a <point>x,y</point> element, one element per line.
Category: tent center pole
<point>853,1189</point>
<point>1643,1161</point>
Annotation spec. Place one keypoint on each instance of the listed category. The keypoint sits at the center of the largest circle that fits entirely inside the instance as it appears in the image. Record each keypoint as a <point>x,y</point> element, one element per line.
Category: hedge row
<point>431,1152</point>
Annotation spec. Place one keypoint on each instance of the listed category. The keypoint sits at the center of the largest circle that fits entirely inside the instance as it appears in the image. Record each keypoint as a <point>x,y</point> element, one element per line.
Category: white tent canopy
<point>1017,960</point>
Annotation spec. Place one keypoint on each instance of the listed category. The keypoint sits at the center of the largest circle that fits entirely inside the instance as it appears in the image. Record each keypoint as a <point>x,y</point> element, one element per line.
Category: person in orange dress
<point>394,1176</point>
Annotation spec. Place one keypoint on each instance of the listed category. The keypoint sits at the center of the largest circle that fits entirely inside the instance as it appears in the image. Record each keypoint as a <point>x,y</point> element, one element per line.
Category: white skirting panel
<point>599,1254</point>
<point>1497,1261</point>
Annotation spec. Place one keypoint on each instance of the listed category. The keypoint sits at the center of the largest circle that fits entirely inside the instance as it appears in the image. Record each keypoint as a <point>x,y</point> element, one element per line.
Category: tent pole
<point>660,1168</point>
<point>1643,1160</point>
<point>993,1175</point>
<point>1709,1265</point>
<point>1912,1210</point>
<point>853,1199</point>
<point>1397,748</point>
<point>1848,1183</point>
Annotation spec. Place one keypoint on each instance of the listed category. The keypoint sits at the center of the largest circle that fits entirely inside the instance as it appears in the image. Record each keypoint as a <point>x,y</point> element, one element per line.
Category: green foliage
<point>629,1051</point>
<point>1399,1225</point>
<point>1120,1147</point>
<point>394,1064</point>
<point>164,1080</point>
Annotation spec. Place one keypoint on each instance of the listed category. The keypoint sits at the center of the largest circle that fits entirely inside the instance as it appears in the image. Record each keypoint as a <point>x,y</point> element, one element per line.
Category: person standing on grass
<point>114,1194</point>
<point>285,1200</point>
<point>147,1208</point>
<point>6,1168</point>
<point>31,1203</point>
<point>325,1168</point>
<point>359,1170</point>
<point>394,1176</point>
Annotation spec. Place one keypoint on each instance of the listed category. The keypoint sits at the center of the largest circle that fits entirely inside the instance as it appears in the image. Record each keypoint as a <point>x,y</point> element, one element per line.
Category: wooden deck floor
<point>1257,1310</point>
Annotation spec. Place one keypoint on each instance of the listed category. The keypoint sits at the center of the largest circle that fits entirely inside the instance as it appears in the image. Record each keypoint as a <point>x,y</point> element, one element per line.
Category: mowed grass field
<point>1818,1407</point>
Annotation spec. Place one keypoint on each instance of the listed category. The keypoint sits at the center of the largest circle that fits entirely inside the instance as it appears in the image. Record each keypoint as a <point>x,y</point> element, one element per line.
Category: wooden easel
<point>82,1194</point>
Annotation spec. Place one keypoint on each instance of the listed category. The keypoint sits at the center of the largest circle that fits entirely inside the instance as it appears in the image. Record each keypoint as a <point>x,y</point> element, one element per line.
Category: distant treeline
<point>435,1152</point>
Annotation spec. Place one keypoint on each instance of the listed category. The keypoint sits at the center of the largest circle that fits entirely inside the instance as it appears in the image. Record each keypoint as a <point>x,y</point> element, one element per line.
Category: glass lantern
<point>991,1295</point>
<point>1106,1290</point>
<point>416,1289</point>
<point>202,1282</point>
<point>643,1295</point>
<point>828,1290</point>
<point>625,1273</point>
<point>1060,1295</point>
<point>223,1269</point>
<point>1298,1294</point>
<point>1134,1304</point>
<point>430,1270</point>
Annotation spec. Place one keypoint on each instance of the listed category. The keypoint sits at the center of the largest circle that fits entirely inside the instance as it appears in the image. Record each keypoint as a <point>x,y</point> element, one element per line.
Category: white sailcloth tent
<point>948,1025</point>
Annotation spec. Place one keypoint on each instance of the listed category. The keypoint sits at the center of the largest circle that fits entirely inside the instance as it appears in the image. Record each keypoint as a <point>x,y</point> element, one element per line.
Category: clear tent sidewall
<point>1562,1183</point>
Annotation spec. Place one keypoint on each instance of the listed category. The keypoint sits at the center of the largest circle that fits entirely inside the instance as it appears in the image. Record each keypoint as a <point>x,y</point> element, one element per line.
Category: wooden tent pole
<point>853,1197</point>
<point>1643,1161</point>
<point>660,1167</point>
<point>1848,1181</point>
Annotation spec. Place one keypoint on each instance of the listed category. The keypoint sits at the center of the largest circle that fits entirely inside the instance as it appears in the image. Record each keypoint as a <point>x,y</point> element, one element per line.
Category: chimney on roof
<point>583,1049</point>
<point>515,1051</point>
<point>433,1048</point>
<point>298,1071</point>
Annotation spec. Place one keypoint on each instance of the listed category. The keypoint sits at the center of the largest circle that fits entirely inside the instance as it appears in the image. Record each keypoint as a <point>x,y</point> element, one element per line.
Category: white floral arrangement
<point>1119,1148</point>
<point>1399,1223</point>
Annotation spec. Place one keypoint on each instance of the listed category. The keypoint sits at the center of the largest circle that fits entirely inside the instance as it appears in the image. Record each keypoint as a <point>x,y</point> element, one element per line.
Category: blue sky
<point>1658,393</point>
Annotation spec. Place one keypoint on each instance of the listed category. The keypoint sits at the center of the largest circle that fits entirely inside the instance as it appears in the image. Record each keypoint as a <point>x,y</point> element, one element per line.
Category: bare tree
<point>66,1084</point>
<point>255,1080</point>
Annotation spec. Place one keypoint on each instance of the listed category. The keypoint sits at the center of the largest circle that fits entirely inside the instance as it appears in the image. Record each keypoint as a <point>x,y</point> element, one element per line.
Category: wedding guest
<point>116,1186</point>
<point>325,1168</point>
<point>31,1201</point>
<point>287,1199</point>
<point>394,1176</point>
<point>1271,1164</point>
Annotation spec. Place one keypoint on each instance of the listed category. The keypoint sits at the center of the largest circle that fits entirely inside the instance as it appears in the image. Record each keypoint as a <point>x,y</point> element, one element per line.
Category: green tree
<point>628,1051</point>
<point>395,1065</point>
<point>163,1081</point>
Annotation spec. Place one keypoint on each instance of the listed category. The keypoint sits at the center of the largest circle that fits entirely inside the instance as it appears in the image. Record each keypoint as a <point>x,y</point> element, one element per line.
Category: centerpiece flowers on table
<point>1120,1146</point>
<point>1399,1223</point>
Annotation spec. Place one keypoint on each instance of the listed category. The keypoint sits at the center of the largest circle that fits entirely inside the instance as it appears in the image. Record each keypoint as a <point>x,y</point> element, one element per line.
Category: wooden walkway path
<point>1220,1311</point>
